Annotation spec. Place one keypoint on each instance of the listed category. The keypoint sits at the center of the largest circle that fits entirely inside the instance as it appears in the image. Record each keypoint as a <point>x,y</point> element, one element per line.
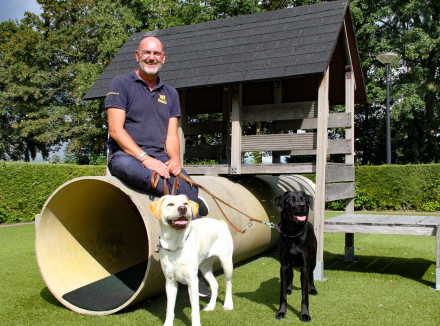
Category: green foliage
<point>24,187</point>
<point>396,187</point>
<point>48,63</point>
<point>410,28</point>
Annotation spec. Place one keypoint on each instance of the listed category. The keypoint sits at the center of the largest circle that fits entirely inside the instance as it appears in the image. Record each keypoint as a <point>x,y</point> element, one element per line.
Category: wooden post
<point>236,130</point>
<point>321,163</point>
<point>437,265</point>
<point>349,132</point>
<point>182,122</point>
<point>278,97</point>
<point>226,135</point>
<point>349,159</point>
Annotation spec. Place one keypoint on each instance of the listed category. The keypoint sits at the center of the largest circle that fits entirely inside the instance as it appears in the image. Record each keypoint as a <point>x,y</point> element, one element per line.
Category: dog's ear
<point>155,208</point>
<point>311,201</point>
<point>279,202</point>
<point>194,207</point>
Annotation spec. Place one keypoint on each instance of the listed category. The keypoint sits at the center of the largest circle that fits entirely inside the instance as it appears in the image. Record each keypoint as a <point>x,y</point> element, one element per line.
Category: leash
<point>217,199</point>
<point>155,177</point>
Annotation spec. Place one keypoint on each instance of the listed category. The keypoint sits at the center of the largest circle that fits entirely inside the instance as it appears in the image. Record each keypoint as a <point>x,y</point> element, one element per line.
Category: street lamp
<point>386,58</point>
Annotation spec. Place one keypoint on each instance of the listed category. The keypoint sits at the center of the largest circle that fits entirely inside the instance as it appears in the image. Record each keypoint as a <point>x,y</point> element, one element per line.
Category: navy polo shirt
<point>147,113</point>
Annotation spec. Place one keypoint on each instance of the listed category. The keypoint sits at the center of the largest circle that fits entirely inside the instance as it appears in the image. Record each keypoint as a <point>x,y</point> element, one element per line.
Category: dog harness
<point>159,246</point>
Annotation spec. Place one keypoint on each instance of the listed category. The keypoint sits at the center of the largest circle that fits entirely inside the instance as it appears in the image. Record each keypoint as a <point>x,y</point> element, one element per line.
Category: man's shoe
<point>203,288</point>
<point>203,206</point>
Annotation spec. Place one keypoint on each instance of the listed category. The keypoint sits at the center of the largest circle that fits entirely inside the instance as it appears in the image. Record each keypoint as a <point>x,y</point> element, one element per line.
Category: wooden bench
<point>385,224</point>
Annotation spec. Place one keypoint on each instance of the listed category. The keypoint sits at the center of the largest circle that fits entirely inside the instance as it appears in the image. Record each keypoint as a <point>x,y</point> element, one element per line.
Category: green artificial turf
<point>390,284</point>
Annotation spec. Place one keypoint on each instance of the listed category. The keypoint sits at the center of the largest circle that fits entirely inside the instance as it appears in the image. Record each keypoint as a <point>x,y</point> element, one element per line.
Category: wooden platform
<point>385,224</point>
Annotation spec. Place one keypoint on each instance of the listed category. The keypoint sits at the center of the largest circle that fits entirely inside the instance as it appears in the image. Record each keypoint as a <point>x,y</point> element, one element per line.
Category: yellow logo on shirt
<point>162,99</point>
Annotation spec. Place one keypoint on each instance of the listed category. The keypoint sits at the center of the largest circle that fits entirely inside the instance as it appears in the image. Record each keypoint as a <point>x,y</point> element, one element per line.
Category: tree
<point>411,28</point>
<point>48,63</point>
<point>24,90</point>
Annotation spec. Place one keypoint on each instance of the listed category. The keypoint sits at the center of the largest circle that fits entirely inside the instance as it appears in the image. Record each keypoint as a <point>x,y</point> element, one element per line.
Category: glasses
<point>147,53</point>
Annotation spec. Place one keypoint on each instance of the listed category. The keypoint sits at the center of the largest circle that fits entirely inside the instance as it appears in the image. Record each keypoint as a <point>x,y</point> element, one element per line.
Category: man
<point>143,115</point>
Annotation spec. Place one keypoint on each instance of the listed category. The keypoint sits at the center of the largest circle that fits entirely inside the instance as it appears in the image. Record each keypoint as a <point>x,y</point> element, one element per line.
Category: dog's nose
<point>182,209</point>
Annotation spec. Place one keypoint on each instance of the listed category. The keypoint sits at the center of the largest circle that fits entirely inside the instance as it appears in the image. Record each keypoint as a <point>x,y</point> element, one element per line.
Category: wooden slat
<point>336,191</point>
<point>339,173</point>
<point>339,146</point>
<point>216,169</point>
<point>204,127</point>
<point>279,111</point>
<point>380,229</point>
<point>282,168</point>
<point>383,224</point>
<point>292,144</point>
<point>278,142</point>
<point>205,151</point>
<point>335,120</point>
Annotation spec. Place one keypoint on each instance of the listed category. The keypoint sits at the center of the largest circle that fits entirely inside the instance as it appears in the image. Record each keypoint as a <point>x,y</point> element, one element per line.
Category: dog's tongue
<point>301,218</point>
<point>181,221</point>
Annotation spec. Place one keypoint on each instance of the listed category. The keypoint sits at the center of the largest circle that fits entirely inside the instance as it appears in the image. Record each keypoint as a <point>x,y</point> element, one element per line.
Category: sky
<point>15,9</point>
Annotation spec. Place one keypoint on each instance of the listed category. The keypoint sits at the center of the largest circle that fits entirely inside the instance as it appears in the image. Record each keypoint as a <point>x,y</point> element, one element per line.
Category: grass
<point>389,285</point>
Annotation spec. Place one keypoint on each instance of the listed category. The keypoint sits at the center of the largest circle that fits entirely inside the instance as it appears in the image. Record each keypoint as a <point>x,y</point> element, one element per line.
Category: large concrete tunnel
<point>96,239</point>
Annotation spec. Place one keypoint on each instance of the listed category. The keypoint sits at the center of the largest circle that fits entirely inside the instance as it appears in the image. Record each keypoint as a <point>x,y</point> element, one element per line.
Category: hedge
<point>397,187</point>
<point>24,187</point>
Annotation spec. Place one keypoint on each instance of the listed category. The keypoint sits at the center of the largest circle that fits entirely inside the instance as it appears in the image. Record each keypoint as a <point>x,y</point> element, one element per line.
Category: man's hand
<point>174,166</point>
<point>156,165</point>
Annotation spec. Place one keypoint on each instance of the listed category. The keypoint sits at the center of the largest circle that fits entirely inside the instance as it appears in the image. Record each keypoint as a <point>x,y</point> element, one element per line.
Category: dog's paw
<point>305,317</point>
<point>228,306</point>
<point>313,291</point>
<point>280,315</point>
<point>209,307</point>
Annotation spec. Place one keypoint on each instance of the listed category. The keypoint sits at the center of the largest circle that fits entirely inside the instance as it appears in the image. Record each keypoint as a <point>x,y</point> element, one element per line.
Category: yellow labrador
<point>185,245</point>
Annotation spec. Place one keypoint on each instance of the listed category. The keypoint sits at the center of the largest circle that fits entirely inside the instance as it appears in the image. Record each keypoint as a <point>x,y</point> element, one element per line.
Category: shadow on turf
<point>269,294</point>
<point>411,268</point>
<point>48,297</point>
<point>157,305</point>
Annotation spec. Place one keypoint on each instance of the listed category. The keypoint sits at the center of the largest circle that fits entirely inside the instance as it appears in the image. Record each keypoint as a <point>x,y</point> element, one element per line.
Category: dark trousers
<point>129,169</point>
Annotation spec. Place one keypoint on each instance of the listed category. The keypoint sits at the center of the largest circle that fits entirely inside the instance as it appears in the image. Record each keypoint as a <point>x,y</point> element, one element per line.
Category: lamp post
<point>386,58</point>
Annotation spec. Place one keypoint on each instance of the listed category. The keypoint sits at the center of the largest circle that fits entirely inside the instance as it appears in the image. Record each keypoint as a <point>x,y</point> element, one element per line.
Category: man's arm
<point>172,146</point>
<point>116,120</point>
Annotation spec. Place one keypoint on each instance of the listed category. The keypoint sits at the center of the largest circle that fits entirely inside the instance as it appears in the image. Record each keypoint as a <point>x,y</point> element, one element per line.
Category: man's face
<point>150,56</point>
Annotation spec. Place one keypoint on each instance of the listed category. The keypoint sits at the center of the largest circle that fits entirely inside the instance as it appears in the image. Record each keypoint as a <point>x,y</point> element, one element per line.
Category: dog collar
<point>288,236</point>
<point>159,246</point>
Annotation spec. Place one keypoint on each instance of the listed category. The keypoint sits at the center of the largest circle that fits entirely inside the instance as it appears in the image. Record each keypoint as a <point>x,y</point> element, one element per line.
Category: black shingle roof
<point>277,44</point>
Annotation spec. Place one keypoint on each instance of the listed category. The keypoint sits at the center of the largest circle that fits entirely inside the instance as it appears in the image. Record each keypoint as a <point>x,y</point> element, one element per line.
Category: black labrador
<point>297,248</point>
